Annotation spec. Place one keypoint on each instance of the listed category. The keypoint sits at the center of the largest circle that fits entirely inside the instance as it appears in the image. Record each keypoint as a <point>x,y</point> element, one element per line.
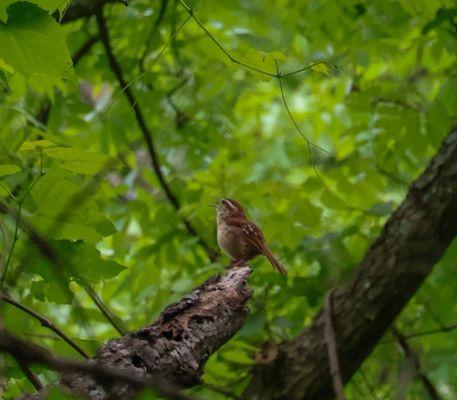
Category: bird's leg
<point>237,263</point>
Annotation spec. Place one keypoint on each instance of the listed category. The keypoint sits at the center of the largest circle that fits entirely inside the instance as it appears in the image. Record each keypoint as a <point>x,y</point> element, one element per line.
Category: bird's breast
<point>230,241</point>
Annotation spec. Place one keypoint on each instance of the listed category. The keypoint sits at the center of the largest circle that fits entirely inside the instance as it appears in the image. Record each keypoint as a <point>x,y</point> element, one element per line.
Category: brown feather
<point>273,260</point>
<point>258,240</point>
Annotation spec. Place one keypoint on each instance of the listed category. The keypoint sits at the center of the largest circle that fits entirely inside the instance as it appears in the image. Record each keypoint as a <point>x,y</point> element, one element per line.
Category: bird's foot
<point>237,263</point>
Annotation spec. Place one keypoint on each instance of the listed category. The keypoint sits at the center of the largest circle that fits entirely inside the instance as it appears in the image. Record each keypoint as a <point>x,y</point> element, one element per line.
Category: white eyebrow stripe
<point>230,203</point>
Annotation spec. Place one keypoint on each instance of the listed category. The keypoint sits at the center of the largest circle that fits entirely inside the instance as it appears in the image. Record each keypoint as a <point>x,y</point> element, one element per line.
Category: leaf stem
<point>18,217</point>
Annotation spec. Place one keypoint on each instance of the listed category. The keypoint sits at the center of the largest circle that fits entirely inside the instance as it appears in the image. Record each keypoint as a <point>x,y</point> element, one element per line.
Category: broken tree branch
<point>178,344</point>
<point>33,354</point>
<point>174,349</point>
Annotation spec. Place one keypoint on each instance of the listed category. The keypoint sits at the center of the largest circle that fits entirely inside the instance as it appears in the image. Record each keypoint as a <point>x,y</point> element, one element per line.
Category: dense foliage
<point>319,157</point>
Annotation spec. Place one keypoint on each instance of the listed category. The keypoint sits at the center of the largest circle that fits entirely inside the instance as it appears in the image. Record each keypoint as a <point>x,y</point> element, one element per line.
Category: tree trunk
<point>412,241</point>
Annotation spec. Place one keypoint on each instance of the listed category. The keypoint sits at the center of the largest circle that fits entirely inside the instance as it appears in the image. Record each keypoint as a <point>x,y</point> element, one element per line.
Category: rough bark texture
<point>412,241</point>
<point>178,344</point>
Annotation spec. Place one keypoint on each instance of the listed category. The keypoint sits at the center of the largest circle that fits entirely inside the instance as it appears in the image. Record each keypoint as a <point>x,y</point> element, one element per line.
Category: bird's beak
<point>215,201</point>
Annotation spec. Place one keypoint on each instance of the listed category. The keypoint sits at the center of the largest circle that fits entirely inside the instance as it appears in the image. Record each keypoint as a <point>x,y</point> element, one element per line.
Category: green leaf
<point>56,393</point>
<point>87,261</point>
<point>82,263</point>
<point>33,44</point>
<point>262,61</point>
<point>5,66</point>
<point>57,291</point>
<point>442,15</point>
<point>147,394</point>
<point>37,145</point>
<point>381,209</point>
<point>4,190</point>
<point>48,5</point>
<point>38,290</point>
<point>254,325</point>
<point>71,158</point>
<point>9,169</point>
<point>53,287</point>
<point>182,285</point>
<point>59,217</point>
<point>237,357</point>
<point>332,201</point>
<point>321,67</point>
<point>76,160</point>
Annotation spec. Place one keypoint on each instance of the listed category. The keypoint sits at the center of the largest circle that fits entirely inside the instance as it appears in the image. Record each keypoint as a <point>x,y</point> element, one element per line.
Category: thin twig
<point>332,351</point>
<point>31,376</point>
<point>84,49</point>
<point>433,315</point>
<point>18,217</point>
<point>391,176</point>
<point>43,321</point>
<point>251,67</point>
<point>296,125</point>
<point>147,136</point>
<point>180,117</point>
<point>368,384</point>
<point>414,359</point>
<point>5,246</point>
<point>276,75</point>
<point>311,66</point>
<point>414,335</point>
<point>164,48</point>
<point>155,27</point>
<point>13,245</point>
<point>104,309</point>
<point>236,61</point>
<point>213,39</point>
<point>24,367</point>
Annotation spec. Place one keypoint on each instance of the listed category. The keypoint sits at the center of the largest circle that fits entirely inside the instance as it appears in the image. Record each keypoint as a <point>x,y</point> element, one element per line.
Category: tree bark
<point>412,241</point>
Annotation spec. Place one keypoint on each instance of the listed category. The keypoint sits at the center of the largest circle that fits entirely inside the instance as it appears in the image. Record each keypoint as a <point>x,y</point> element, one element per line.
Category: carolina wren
<point>240,238</point>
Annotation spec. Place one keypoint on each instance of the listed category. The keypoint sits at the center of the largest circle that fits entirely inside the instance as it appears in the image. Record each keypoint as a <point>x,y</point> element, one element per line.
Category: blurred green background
<point>375,109</point>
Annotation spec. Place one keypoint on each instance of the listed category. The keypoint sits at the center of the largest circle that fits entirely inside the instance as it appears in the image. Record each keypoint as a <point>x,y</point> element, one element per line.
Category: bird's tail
<point>273,260</point>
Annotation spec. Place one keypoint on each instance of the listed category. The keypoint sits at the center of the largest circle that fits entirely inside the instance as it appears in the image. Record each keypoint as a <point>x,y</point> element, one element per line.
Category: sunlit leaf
<point>77,160</point>
<point>9,169</point>
<point>37,145</point>
<point>33,45</point>
<point>321,67</point>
